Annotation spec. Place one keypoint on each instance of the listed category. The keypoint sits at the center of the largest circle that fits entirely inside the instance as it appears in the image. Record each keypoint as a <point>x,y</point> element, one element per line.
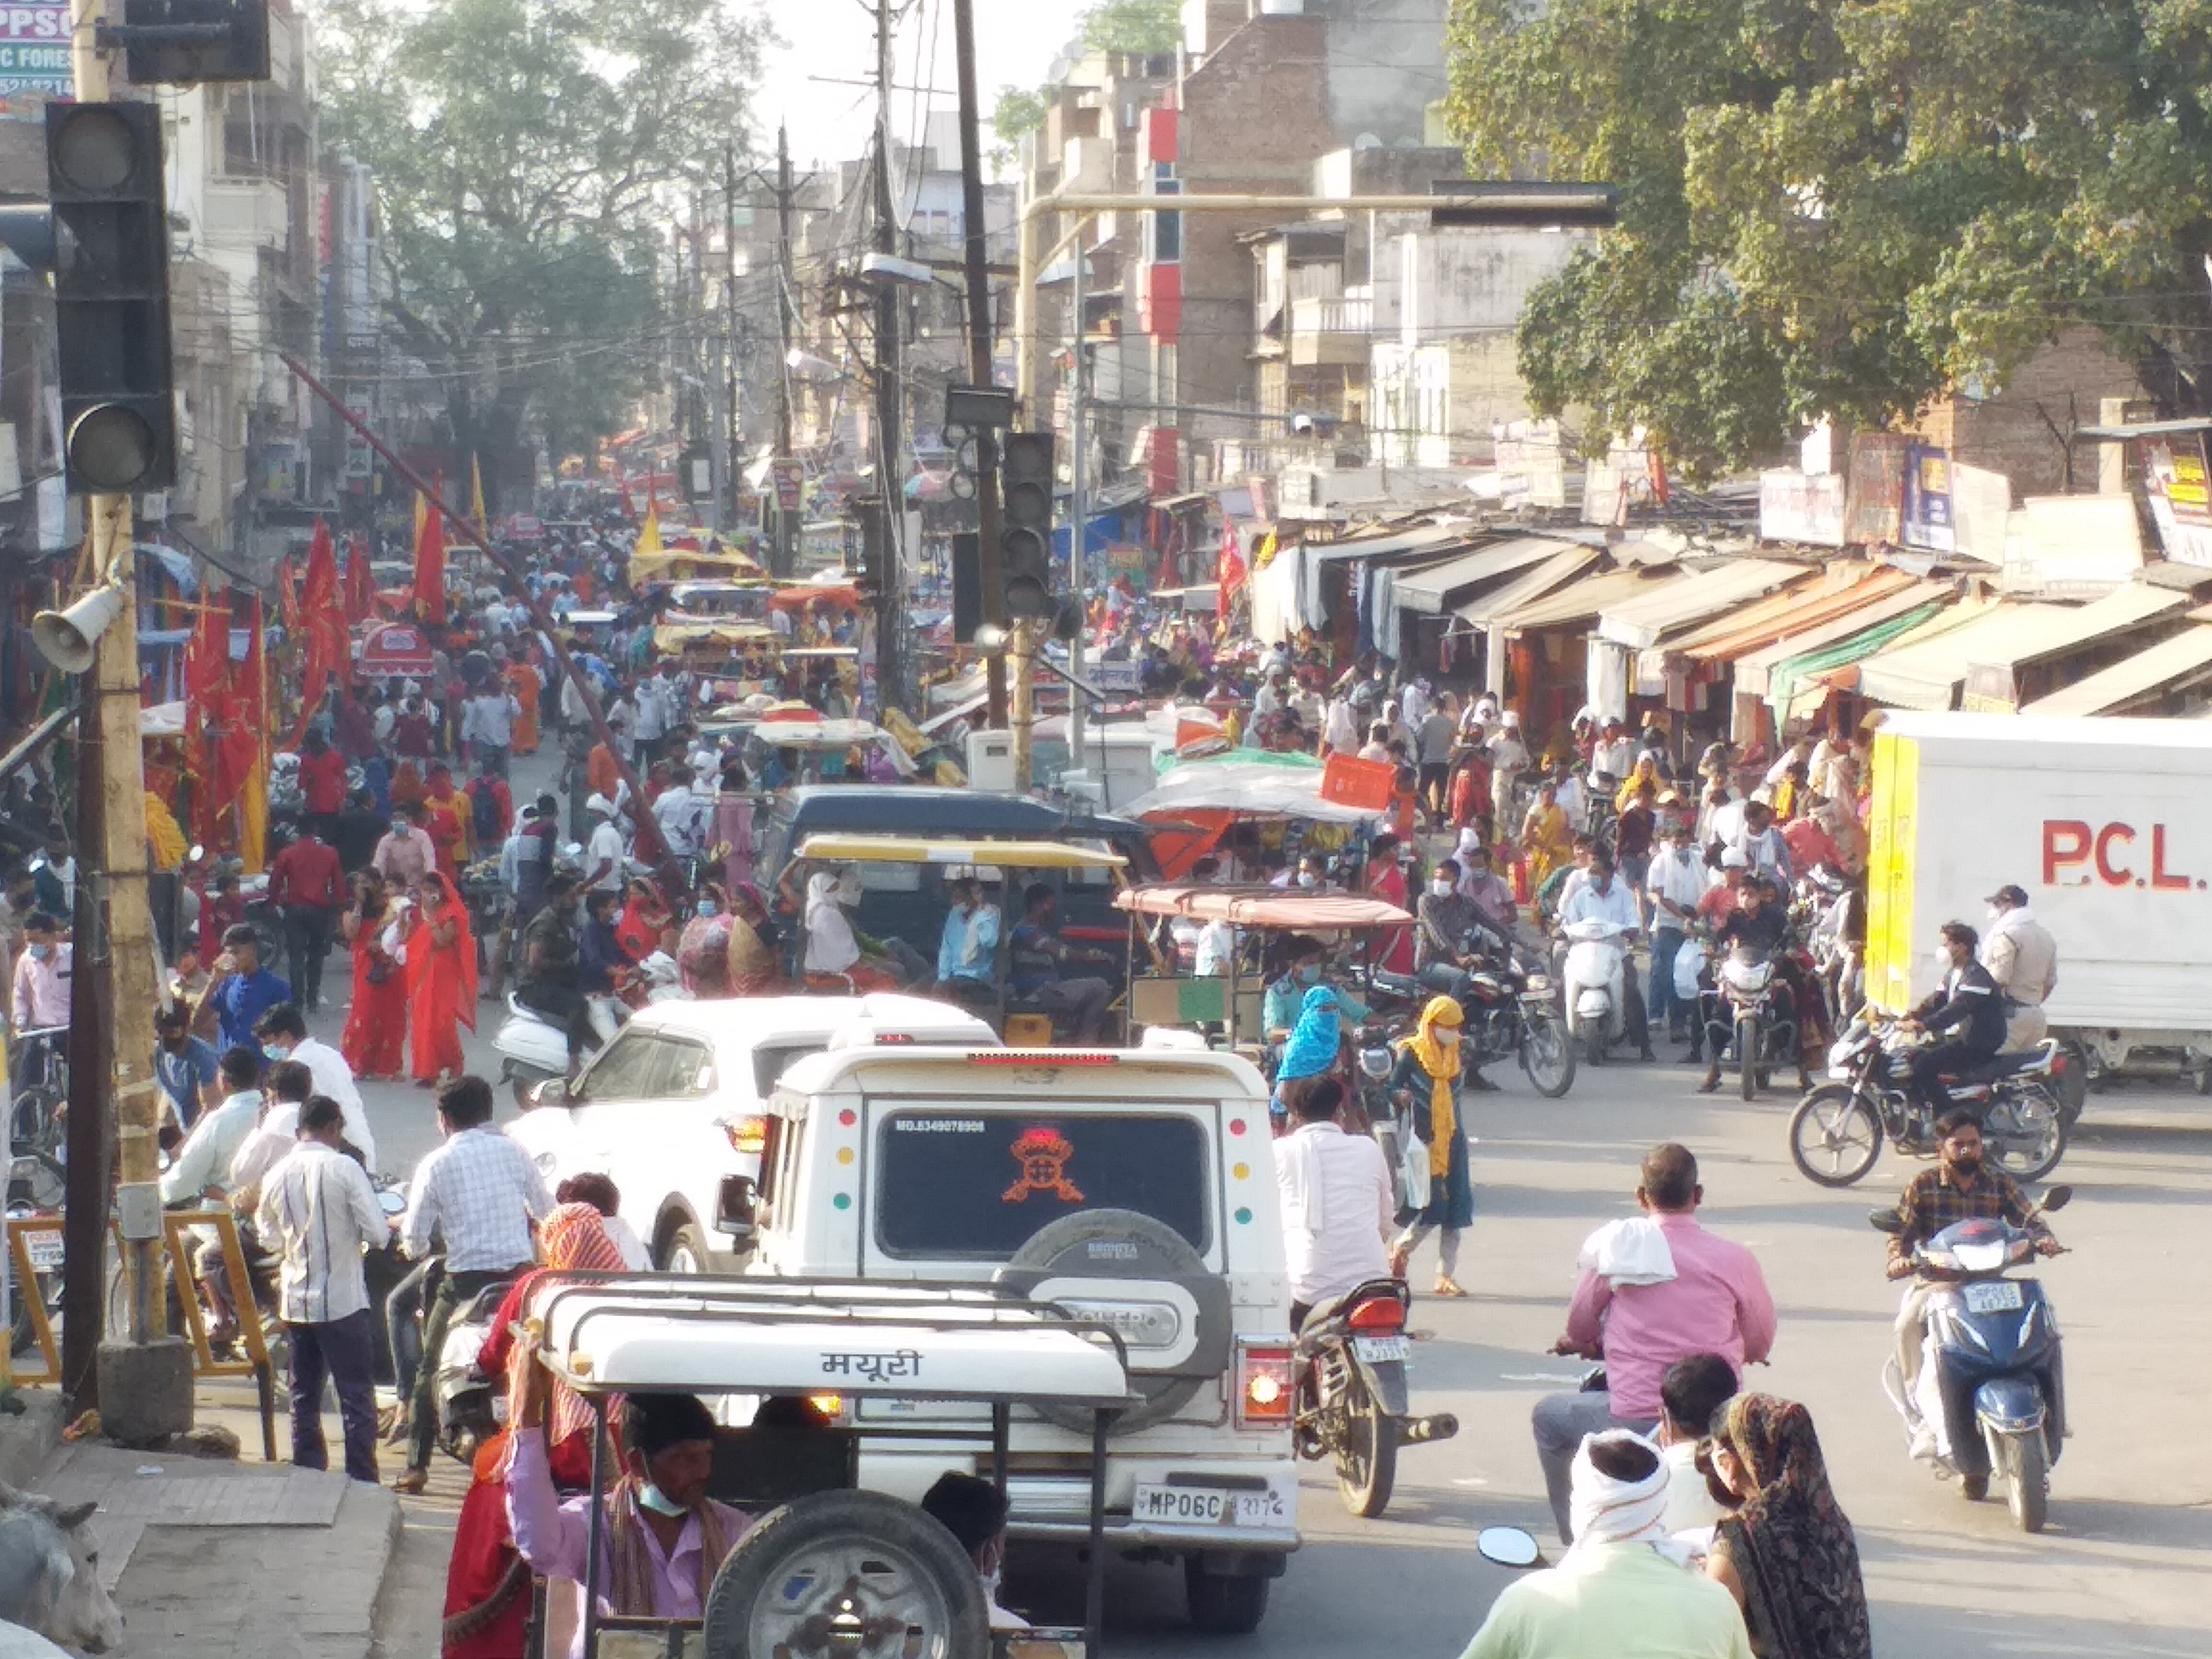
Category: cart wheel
<point>845,1572</point>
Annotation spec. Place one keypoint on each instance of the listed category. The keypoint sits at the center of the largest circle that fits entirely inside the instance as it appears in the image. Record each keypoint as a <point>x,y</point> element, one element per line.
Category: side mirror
<point>735,1212</point>
<point>1508,1546</point>
<point>2057,1198</point>
<point>1886,1221</point>
<point>554,1091</point>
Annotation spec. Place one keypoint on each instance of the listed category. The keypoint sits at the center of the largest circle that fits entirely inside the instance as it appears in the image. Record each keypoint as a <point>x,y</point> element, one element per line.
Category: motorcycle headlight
<point>1375,1064</point>
<point>1540,981</point>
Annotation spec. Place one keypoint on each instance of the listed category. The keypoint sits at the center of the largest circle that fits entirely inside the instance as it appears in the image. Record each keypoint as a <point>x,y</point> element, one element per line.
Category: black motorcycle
<point>1350,1401</point>
<point>1753,1016</point>
<point>1510,1011</point>
<point>1837,1131</point>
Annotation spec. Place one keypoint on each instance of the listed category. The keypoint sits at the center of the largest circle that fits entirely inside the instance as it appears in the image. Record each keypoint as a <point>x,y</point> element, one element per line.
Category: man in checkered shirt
<point>476,1195</point>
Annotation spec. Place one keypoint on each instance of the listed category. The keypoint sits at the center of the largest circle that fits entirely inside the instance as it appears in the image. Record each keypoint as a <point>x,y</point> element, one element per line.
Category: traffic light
<point>1025,523</point>
<point>112,296</point>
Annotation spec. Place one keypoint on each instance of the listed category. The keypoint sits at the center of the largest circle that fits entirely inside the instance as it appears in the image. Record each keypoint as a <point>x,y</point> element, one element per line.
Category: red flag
<point>430,559</point>
<point>360,581</point>
<point>1228,571</point>
<point>324,645</point>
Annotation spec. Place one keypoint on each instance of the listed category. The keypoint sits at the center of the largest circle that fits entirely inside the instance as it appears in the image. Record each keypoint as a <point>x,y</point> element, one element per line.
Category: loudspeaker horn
<point>66,638</point>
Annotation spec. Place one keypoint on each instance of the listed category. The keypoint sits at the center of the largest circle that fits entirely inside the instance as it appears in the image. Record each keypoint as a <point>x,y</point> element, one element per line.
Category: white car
<point>673,1109</point>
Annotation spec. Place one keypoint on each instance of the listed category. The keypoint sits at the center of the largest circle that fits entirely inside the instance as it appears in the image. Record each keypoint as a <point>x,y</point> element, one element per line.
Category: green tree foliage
<point>1845,209</point>
<point>1020,111</point>
<point>527,155</point>
<point>1141,27</point>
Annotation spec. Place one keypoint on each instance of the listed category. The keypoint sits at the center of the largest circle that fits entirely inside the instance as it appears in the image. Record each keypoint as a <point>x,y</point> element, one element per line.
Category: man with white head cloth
<point>1621,1590</point>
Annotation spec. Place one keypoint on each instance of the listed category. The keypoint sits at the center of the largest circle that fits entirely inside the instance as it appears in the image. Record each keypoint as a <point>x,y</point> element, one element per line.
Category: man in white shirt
<point>1604,899</point>
<point>1615,754</point>
<point>39,999</point>
<point>1761,843</point>
<point>605,853</point>
<point>1337,1208</point>
<point>1693,1389</point>
<point>201,1170</point>
<point>1341,733</point>
<point>1414,704</point>
<point>681,815</point>
<point>284,1034</point>
<point>319,1208</point>
<point>1272,695</point>
<point>487,722</point>
<point>1676,883</point>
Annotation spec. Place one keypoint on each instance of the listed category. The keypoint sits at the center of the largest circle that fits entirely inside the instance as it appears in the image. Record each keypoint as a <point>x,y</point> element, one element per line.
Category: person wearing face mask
<point>1425,1084</point>
<point>1450,936</point>
<point>406,856</point>
<point>38,992</point>
<point>1967,1002</point>
<point>839,956</point>
<point>974,1510</point>
<point>967,954</point>
<point>1960,1188</point>
<point>284,1035</point>
<point>1304,959</point>
<point>702,949</point>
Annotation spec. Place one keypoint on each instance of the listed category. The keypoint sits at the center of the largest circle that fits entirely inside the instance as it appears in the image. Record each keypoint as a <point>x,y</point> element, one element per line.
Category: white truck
<point>2103,823</point>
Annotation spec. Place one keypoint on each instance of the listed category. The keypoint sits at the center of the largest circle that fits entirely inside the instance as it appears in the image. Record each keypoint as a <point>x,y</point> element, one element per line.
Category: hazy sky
<point>1016,40</point>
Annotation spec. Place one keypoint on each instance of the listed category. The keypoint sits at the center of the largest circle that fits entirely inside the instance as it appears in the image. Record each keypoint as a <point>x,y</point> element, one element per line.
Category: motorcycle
<point>1991,1391</point>
<point>1597,960</point>
<point>472,1406</point>
<point>1509,1007</point>
<point>1830,915</point>
<point>533,1047</point>
<point>1756,1013</point>
<point>1350,1405</point>
<point>1837,1129</point>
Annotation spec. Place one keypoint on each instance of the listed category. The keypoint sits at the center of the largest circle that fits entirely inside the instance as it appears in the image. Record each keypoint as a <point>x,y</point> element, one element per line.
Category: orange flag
<point>430,559</point>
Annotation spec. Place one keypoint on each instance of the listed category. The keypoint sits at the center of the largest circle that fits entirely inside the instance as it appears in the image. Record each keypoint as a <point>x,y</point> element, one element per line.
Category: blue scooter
<point>1997,1377</point>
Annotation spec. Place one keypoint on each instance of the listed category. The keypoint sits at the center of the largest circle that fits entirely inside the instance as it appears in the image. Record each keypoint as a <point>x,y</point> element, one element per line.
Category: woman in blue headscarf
<point>1313,1048</point>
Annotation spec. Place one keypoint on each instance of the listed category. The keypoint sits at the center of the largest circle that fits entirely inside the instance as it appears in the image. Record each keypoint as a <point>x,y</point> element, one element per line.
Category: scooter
<point>1597,958</point>
<point>471,1407</point>
<point>1350,1402</point>
<point>1992,1392</point>
<point>533,1049</point>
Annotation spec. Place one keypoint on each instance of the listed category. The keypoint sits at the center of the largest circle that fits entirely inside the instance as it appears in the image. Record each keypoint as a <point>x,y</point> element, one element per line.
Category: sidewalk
<point>215,1558</point>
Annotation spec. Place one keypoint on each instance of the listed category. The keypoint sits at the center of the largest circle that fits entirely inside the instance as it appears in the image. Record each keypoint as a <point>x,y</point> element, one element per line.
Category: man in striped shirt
<point>318,1206</point>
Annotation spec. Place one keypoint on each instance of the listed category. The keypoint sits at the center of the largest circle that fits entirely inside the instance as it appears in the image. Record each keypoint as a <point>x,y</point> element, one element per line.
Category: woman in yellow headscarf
<point>1426,1087</point>
<point>1646,771</point>
<point>1547,842</point>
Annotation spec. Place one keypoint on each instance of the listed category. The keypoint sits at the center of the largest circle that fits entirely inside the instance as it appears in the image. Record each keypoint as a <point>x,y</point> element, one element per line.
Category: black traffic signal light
<point>112,296</point>
<point>180,42</point>
<point>1025,523</point>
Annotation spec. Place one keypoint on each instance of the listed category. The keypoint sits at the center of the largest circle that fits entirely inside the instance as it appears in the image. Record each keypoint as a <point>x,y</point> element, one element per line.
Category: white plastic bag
<point>1689,963</point>
<point>1417,1172</point>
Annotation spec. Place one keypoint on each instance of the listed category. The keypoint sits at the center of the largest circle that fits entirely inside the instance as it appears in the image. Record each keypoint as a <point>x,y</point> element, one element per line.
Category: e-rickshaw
<point>830,1569</point>
<point>917,908</point>
<point>1233,1001</point>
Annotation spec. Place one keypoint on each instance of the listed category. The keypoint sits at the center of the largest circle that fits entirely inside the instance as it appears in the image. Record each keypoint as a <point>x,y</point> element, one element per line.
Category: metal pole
<point>783,561</point>
<point>1078,523</point>
<point>891,494</point>
<point>726,488</point>
<point>980,370</point>
<point>85,1208</point>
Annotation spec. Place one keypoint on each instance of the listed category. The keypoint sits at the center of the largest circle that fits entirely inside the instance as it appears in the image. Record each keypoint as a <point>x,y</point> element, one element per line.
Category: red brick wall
<point>2011,432</point>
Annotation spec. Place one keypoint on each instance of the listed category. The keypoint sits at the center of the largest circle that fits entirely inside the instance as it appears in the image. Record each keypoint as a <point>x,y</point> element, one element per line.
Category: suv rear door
<point>642,1115</point>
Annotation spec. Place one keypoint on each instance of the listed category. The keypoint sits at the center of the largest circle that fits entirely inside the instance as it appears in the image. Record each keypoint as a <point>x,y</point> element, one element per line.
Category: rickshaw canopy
<point>1264,907</point>
<point>850,848</point>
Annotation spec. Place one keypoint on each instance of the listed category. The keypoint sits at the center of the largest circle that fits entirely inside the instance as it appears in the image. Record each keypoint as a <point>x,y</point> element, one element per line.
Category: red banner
<point>323,623</point>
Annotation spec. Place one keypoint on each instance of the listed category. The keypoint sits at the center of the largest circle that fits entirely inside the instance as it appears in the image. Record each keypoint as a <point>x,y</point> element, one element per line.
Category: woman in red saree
<point>374,1042</point>
<point>441,983</point>
<point>487,1583</point>
<point>646,925</point>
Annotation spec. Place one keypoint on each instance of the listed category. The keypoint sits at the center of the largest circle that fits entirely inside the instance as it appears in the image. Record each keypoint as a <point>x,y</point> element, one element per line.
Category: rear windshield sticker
<point>1043,1155</point>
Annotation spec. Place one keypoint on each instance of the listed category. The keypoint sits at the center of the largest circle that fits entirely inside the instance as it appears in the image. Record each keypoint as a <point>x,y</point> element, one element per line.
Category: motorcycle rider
<point>1759,921</point>
<point>1337,1208</point>
<point>1602,899</point>
<point>1968,998</point>
<point>1960,1188</point>
<point>551,951</point>
<point>1444,920</point>
<point>2023,959</point>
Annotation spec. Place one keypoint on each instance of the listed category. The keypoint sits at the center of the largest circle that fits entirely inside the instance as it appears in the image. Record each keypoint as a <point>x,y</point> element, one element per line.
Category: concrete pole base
<point>145,1393</point>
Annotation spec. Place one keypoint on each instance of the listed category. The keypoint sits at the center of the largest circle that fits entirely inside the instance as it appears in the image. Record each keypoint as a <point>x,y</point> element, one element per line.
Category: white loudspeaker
<point>66,638</point>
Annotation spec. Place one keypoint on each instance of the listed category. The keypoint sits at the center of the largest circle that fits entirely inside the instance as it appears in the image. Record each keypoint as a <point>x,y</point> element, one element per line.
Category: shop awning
<point>1640,621</point>
<point>1843,590</point>
<point>1925,673</point>
<point>1582,602</point>
<point>1427,538</point>
<point>1564,566</point>
<point>2072,629</point>
<point>2173,665</point>
<point>1426,590</point>
<point>1917,599</point>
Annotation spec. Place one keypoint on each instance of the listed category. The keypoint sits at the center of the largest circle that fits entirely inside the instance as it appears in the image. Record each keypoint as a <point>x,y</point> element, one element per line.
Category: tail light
<point>1035,1057</point>
<point>2059,1064</point>
<point>748,1135</point>
<point>1380,1313</point>
<point>1263,1384</point>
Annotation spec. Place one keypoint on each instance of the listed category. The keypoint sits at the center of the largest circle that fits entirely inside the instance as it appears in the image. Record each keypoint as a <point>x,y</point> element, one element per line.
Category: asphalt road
<point>2121,1570</point>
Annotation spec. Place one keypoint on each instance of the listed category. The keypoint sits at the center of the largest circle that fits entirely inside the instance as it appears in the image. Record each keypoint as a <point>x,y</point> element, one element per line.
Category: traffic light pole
<point>143,1384</point>
<point>977,251</point>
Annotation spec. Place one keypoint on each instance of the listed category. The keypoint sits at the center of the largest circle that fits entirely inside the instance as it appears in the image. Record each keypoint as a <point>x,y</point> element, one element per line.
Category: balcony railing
<point>1334,331</point>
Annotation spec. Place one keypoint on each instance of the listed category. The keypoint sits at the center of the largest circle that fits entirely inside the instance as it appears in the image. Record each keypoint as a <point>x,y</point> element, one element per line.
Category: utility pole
<point>725,487</point>
<point>979,348</point>
<point>1076,516</point>
<point>786,562</point>
<point>142,1385</point>
<point>891,576</point>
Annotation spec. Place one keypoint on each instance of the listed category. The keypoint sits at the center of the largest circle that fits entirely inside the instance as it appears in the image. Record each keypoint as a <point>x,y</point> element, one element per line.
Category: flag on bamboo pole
<point>249,743</point>
<point>323,623</point>
<point>1228,572</point>
<point>648,536</point>
<point>207,688</point>
<point>476,496</point>
<point>360,581</point>
<point>429,559</point>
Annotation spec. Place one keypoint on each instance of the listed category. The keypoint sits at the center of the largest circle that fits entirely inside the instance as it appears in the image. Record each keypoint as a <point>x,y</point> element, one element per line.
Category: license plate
<point>2001,1296</point>
<point>44,1251</point>
<point>1374,1348</point>
<point>1206,1506</point>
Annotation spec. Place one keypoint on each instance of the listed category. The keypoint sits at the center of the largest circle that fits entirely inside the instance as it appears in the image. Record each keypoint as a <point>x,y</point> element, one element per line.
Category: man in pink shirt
<point>1701,1294</point>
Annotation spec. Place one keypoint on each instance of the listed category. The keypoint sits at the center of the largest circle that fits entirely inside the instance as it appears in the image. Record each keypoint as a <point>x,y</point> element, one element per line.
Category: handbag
<point>1416,1162</point>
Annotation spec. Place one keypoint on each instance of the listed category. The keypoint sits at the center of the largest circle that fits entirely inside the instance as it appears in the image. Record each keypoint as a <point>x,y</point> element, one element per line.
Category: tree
<point>1142,27</point>
<point>1018,113</point>
<point>1845,210</point>
<point>526,154</point>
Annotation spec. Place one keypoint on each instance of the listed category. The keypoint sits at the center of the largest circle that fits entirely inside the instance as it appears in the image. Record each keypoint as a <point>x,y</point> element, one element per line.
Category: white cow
<point>50,1578</point>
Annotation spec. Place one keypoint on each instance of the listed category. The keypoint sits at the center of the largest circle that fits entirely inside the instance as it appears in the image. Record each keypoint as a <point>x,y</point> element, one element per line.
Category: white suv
<point>672,1110</point>
<point>1134,1190</point>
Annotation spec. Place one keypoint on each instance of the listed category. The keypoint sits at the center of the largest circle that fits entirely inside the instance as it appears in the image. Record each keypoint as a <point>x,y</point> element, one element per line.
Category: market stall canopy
<point>394,650</point>
<point>1580,602</point>
<point>1926,673</point>
<point>1755,672</point>
<point>1264,907</point>
<point>671,638</point>
<point>1249,789</point>
<point>2120,612</point>
<point>1006,854</point>
<point>1426,590</point>
<point>2179,664</point>
<point>681,565</point>
<point>1561,568</point>
<point>1845,588</point>
<point>781,731</point>
<point>797,596</point>
<point>1642,618</point>
<point>1424,539</point>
